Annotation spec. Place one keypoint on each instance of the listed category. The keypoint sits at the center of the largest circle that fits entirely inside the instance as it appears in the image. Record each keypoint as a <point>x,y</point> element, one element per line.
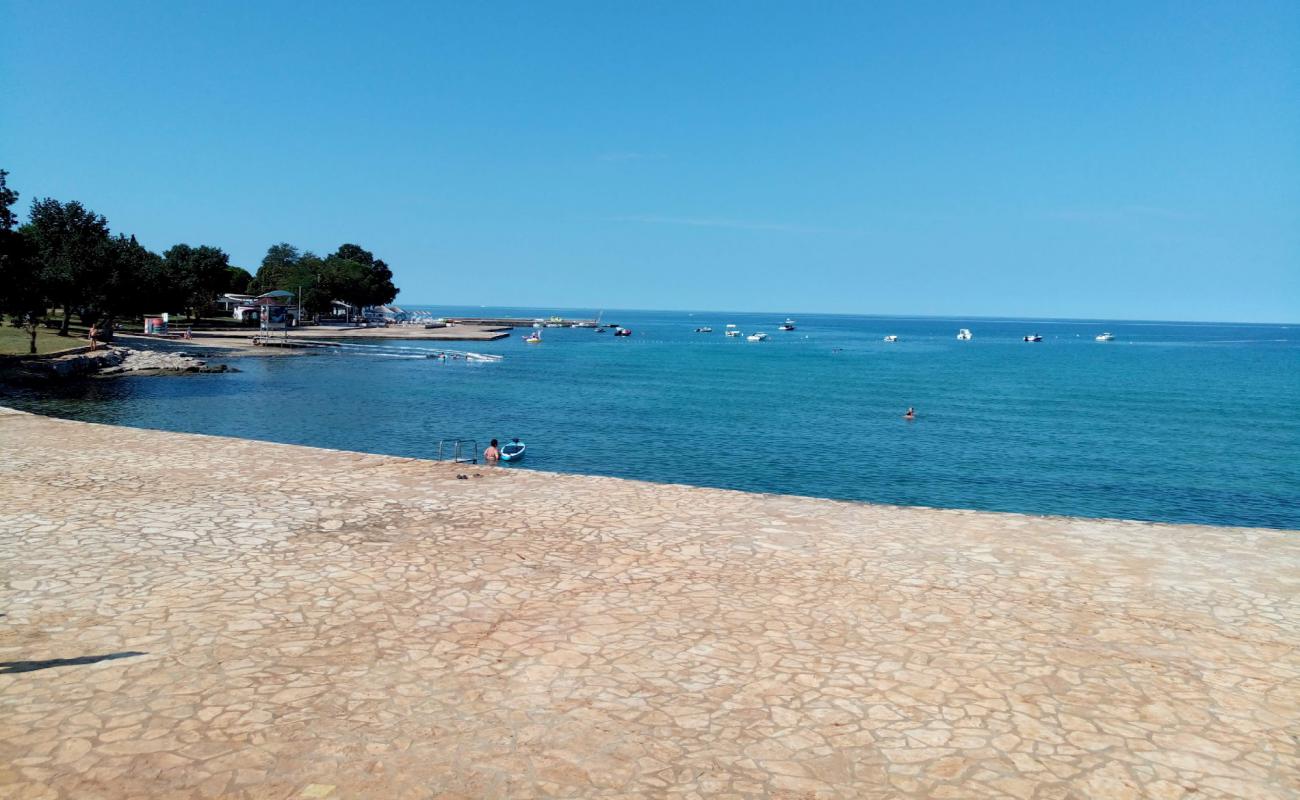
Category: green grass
<point>14,341</point>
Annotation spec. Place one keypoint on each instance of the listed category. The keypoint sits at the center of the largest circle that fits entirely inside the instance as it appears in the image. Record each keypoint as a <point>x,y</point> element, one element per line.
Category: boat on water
<point>534,338</point>
<point>964,334</point>
<point>891,338</point>
<point>705,329</point>
<point>788,325</point>
<point>514,451</point>
<point>1105,337</point>
<point>732,330</point>
<point>622,331</point>
<point>1033,337</point>
<point>756,337</point>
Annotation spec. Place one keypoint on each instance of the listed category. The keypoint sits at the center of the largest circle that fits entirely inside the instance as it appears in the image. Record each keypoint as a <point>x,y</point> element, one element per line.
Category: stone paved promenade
<point>194,617</point>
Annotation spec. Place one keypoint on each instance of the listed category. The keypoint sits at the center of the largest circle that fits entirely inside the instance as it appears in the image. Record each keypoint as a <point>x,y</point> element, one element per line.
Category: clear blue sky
<point>1131,160</point>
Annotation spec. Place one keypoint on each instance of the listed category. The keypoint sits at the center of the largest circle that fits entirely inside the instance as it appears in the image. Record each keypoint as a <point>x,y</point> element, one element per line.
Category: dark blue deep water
<point>1173,422</point>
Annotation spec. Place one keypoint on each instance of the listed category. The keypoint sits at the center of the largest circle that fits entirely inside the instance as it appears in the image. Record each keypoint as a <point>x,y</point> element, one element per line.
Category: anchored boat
<point>1033,337</point>
<point>1105,337</point>
<point>964,334</point>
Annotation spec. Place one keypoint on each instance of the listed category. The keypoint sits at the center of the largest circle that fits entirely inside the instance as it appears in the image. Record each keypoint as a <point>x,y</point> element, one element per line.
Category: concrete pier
<point>199,617</point>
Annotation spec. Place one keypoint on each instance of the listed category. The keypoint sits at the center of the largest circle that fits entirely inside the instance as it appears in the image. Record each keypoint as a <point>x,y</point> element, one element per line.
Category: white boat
<point>964,334</point>
<point>788,325</point>
<point>891,338</point>
<point>534,338</point>
<point>1033,337</point>
<point>756,337</point>
<point>1106,337</point>
<point>705,329</point>
<point>732,330</point>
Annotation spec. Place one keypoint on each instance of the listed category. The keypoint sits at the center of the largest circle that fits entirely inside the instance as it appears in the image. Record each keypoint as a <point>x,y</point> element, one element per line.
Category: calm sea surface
<point>1173,422</point>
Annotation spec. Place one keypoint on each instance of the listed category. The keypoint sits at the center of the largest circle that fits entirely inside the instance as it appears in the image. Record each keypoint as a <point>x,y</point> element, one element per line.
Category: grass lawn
<point>14,340</point>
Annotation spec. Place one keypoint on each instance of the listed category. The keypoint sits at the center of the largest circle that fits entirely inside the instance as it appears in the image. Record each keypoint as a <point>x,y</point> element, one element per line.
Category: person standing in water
<point>910,415</point>
<point>492,454</point>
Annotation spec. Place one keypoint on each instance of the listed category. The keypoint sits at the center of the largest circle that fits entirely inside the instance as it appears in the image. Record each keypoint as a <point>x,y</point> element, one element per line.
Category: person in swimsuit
<point>911,414</point>
<point>492,455</point>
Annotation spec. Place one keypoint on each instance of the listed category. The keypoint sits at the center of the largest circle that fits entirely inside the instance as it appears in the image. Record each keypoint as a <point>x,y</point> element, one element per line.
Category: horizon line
<point>989,317</point>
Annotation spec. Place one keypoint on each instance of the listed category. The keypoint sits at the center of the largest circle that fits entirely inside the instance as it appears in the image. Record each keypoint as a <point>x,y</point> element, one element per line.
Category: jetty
<point>524,322</point>
<point>200,616</point>
<point>382,349</point>
<point>451,333</point>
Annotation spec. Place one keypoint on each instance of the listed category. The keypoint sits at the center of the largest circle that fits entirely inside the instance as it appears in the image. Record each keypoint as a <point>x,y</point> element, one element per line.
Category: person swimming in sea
<point>492,454</point>
<point>910,415</point>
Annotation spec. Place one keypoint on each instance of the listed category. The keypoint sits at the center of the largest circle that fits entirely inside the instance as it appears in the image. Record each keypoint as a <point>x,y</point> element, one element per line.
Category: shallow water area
<point>1172,422</point>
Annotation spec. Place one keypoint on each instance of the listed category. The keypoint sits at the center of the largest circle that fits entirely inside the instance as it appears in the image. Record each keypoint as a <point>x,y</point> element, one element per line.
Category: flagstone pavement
<point>196,617</point>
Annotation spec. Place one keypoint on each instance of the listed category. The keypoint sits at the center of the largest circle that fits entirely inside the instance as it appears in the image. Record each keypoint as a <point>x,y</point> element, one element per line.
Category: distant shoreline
<point>608,310</point>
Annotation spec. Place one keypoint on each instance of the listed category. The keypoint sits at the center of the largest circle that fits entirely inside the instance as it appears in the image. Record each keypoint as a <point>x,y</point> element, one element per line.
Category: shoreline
<point>274,620</point>
<point>1028,515</point>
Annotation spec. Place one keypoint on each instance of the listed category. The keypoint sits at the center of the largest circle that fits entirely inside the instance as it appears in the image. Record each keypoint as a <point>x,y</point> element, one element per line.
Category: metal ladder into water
<point>455,450</point>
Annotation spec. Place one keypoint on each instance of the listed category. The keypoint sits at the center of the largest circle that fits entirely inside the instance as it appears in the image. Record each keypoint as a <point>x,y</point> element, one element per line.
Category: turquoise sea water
<point>1172,422</point>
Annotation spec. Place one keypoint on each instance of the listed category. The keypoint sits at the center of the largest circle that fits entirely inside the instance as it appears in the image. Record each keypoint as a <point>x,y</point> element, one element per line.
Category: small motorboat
<point>788,325</point>
<point>534,338</point>
<point>1105,337</point>
<point>756,337</point>
<point>705,329</point>
<point>964,335</point>
<point>622,331</point>
<point>891,338</point>
<point>733,332</point>
<point>514,451</point>
<point>1033,337</point>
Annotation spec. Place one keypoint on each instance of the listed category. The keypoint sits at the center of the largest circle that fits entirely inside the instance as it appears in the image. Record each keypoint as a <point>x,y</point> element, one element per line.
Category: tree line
<point>65,257</point>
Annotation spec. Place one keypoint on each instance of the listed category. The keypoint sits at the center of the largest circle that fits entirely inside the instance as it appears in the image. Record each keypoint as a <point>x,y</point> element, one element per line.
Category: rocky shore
<point>112,361</point>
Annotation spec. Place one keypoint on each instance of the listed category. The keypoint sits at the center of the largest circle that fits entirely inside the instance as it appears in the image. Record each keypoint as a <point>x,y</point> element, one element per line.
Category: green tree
<point>303,273</point>
<point>238,280</point>
<point>356,277</point>
<point>134,282</point>
<point>23,294</point>
<point>8,199</point>
<point>280,260</point>
<point>69,243</point>
<point>203,272</point>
